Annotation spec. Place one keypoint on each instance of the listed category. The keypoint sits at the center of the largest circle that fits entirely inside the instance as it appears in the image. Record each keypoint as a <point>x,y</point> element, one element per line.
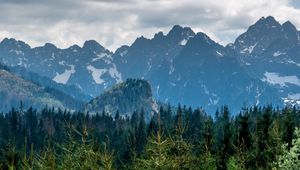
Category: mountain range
<point>261,67</point>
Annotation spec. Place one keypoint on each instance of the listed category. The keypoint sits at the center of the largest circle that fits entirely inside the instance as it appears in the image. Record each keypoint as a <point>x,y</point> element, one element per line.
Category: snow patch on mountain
<point>172,69</point>
<point>295,96</point>
<point>249,49</point>
<point>114,73</point>
<point>149,64</point>
<point>205,89</point>
<point>97,73</point>
<point>21,62</point>
<point>61,63</point>
<point>183,42</point>
<point>277,53</point>
<point>293,62</point>
<point>154,107</point>
<point>18,52</point>
<point>219,53</point>
<point>100,56</point>
<point>257,96</point>
<point>213,100</point>
<point>283,81</point>
<point>123,53</point>
<point>65,76</point>
<point>241,41</point>
<point>52,56</point>
<point>291,102</point>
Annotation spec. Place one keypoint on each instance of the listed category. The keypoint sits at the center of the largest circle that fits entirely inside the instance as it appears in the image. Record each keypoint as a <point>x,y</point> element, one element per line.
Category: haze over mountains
<point>16,90</point>
<point>261,67</point>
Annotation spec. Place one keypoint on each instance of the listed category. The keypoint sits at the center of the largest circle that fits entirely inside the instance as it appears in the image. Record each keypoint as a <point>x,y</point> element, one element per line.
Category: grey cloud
<point>185,14</point>
<point>20,1</point>
<point>295,3</point>
<point>112,1</point>
<point>118,22</point>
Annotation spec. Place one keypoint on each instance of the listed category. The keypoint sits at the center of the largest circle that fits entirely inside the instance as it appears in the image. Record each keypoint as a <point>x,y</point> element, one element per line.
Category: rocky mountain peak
<point>50,46</point>
<point>268,22</point>
<point>178,30</point>
<point>92,45</point>
<point>14,44</point>
<point>265,35</point>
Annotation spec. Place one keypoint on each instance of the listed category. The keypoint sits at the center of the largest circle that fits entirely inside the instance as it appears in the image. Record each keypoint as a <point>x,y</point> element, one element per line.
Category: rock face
<point>126,97</point>
<point>261,67</point>
<point>14,89</point>
<point>266,36</point>
<point>269,51</point>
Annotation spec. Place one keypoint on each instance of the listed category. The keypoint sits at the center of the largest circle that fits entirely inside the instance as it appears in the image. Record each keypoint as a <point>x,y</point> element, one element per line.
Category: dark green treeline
<point>181,138</point>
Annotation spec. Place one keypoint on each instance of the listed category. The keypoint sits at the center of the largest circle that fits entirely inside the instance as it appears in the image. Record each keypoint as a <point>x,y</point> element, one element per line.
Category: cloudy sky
<point>116,22</point>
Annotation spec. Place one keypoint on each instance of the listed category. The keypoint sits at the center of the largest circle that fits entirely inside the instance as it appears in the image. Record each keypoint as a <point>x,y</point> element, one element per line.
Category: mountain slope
<point>14,89</point>
<point>126,97</point>
<point>269,51</point>
<point>147,56</point>
<point>265,36</point>
<point>46,82</point>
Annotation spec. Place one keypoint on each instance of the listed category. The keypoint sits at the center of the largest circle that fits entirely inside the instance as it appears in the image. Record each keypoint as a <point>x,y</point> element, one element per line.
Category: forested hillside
<point>181,138</point>
<point>125,98</point>
<point>15,90</point>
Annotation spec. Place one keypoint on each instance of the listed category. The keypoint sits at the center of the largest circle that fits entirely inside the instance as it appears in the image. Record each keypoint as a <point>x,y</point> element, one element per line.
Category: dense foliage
<point>181,138</point>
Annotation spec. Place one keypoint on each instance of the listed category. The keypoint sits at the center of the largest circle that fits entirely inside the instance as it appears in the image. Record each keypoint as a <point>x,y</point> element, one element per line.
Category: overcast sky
<point>117,22</point>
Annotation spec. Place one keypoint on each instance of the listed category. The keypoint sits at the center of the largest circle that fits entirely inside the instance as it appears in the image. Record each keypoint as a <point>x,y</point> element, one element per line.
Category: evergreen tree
<point>289,126</point>
<point>14,123</point>
<point>244,136</point>
<point>262,147</point>
<point>166,119</point>
<point>191,139</point>
<point>290,159</point>
<point>153,127</point>
<point>224,151</point>
<point>156,155</point>
<point>141,134</point>
<point>206,159</point>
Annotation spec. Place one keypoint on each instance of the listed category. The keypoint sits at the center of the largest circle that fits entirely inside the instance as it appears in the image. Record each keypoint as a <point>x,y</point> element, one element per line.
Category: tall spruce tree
<point>141,134</point>
<point>225,149</point>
